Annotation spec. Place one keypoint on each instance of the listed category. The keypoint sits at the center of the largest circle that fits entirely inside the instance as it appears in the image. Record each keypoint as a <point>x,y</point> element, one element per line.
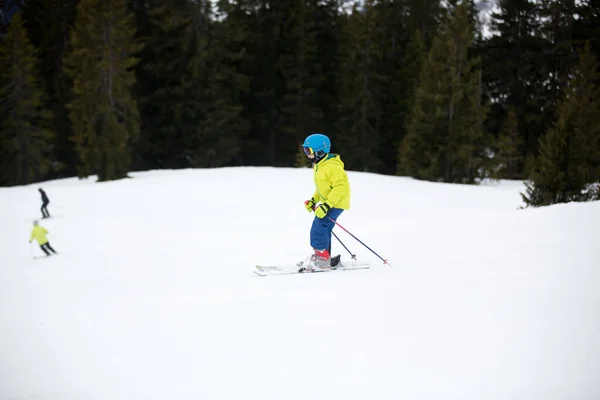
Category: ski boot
<point>320,260</point>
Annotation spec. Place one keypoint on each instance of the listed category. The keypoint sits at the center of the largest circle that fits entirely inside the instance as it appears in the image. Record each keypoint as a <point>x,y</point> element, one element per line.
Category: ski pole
<point>346,230</point>
<point>342,243</point>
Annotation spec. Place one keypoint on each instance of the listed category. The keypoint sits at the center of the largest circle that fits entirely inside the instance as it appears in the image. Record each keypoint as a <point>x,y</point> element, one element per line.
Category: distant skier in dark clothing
<point>45,202</point>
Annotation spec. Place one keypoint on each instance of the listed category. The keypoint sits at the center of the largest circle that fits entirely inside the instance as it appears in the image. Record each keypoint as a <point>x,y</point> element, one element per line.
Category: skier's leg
<point>44,249</point>
<point>50,247</point>
<point>334,213</point>
<point>318,234</point>
<point>43,211</point>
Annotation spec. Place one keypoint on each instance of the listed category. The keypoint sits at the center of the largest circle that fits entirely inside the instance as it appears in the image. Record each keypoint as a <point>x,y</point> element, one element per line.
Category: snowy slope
<point>153,294</point>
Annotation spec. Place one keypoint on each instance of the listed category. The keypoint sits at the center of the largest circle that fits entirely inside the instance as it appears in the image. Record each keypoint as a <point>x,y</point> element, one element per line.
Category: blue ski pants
<point>320,232</point>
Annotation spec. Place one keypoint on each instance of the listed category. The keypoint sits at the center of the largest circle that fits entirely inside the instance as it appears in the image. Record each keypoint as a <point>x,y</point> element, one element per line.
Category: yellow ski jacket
<point>39,233</point>
<point>331,181</point>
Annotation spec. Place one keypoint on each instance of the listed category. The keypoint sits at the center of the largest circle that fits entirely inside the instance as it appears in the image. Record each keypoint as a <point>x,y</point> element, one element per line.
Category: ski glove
<point>322,210</point>
<point>309,205</point>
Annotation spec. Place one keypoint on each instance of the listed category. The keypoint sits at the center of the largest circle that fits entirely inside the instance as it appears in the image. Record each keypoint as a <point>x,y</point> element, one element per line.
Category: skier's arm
<point>31,237</point>
<point>339,187</point>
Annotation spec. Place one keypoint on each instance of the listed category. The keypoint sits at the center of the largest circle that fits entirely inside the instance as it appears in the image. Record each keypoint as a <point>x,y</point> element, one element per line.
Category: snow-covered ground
<point>153,295</point>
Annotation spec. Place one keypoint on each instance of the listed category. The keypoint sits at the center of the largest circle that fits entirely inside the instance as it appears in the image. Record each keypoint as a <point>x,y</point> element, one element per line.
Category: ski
<point>271,270</point>
<point>44,256</point>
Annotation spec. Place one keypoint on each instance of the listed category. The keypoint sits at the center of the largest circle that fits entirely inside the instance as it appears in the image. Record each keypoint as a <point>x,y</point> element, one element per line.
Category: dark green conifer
<point>445,140</point>
<point>25,133</point>
<point>568,166</point>
<point>361,85</point>
<point>103,111</point>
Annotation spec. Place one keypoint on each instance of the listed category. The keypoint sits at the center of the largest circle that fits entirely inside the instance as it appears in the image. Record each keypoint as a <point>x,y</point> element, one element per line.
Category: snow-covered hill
<point>153,294</point>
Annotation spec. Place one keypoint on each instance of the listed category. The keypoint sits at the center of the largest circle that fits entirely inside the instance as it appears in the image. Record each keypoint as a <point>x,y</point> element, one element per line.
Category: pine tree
<point>103,111</point>
<point>203,110</point>
<point>568,166</point>
<point>424,16</point>
<point>445,139</point>
<point>516,71</point>
<point>25,135</point>
<point>163,87</point>
<point>586,27</point>
<point>360,91</point>
<point>261,22</point>
<point>557,28</point>
<point>300,68</point>
<point>413,63</point>
<point>329,37</point>
<point>508,159</point>
<point>221,131</point>
<point>390,17</point>
<point>49,23</point>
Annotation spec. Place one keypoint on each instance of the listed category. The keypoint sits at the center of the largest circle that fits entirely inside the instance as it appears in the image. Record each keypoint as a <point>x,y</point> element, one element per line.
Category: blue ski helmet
<point>317,144</point>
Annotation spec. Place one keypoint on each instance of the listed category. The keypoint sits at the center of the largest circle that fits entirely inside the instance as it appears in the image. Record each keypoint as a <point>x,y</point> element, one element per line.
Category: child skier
<point>39,233</point>
<point>331,197</point>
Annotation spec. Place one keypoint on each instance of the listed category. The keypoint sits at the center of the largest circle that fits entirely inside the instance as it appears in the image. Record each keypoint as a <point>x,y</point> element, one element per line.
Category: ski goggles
<point>308,151</point>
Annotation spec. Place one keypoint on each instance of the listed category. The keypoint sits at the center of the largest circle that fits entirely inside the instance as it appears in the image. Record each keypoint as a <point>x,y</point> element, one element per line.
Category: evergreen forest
<point>438,90</point>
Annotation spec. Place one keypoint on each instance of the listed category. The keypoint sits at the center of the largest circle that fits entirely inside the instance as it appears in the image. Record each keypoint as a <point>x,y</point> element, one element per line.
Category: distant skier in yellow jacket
<point>39,233</point>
